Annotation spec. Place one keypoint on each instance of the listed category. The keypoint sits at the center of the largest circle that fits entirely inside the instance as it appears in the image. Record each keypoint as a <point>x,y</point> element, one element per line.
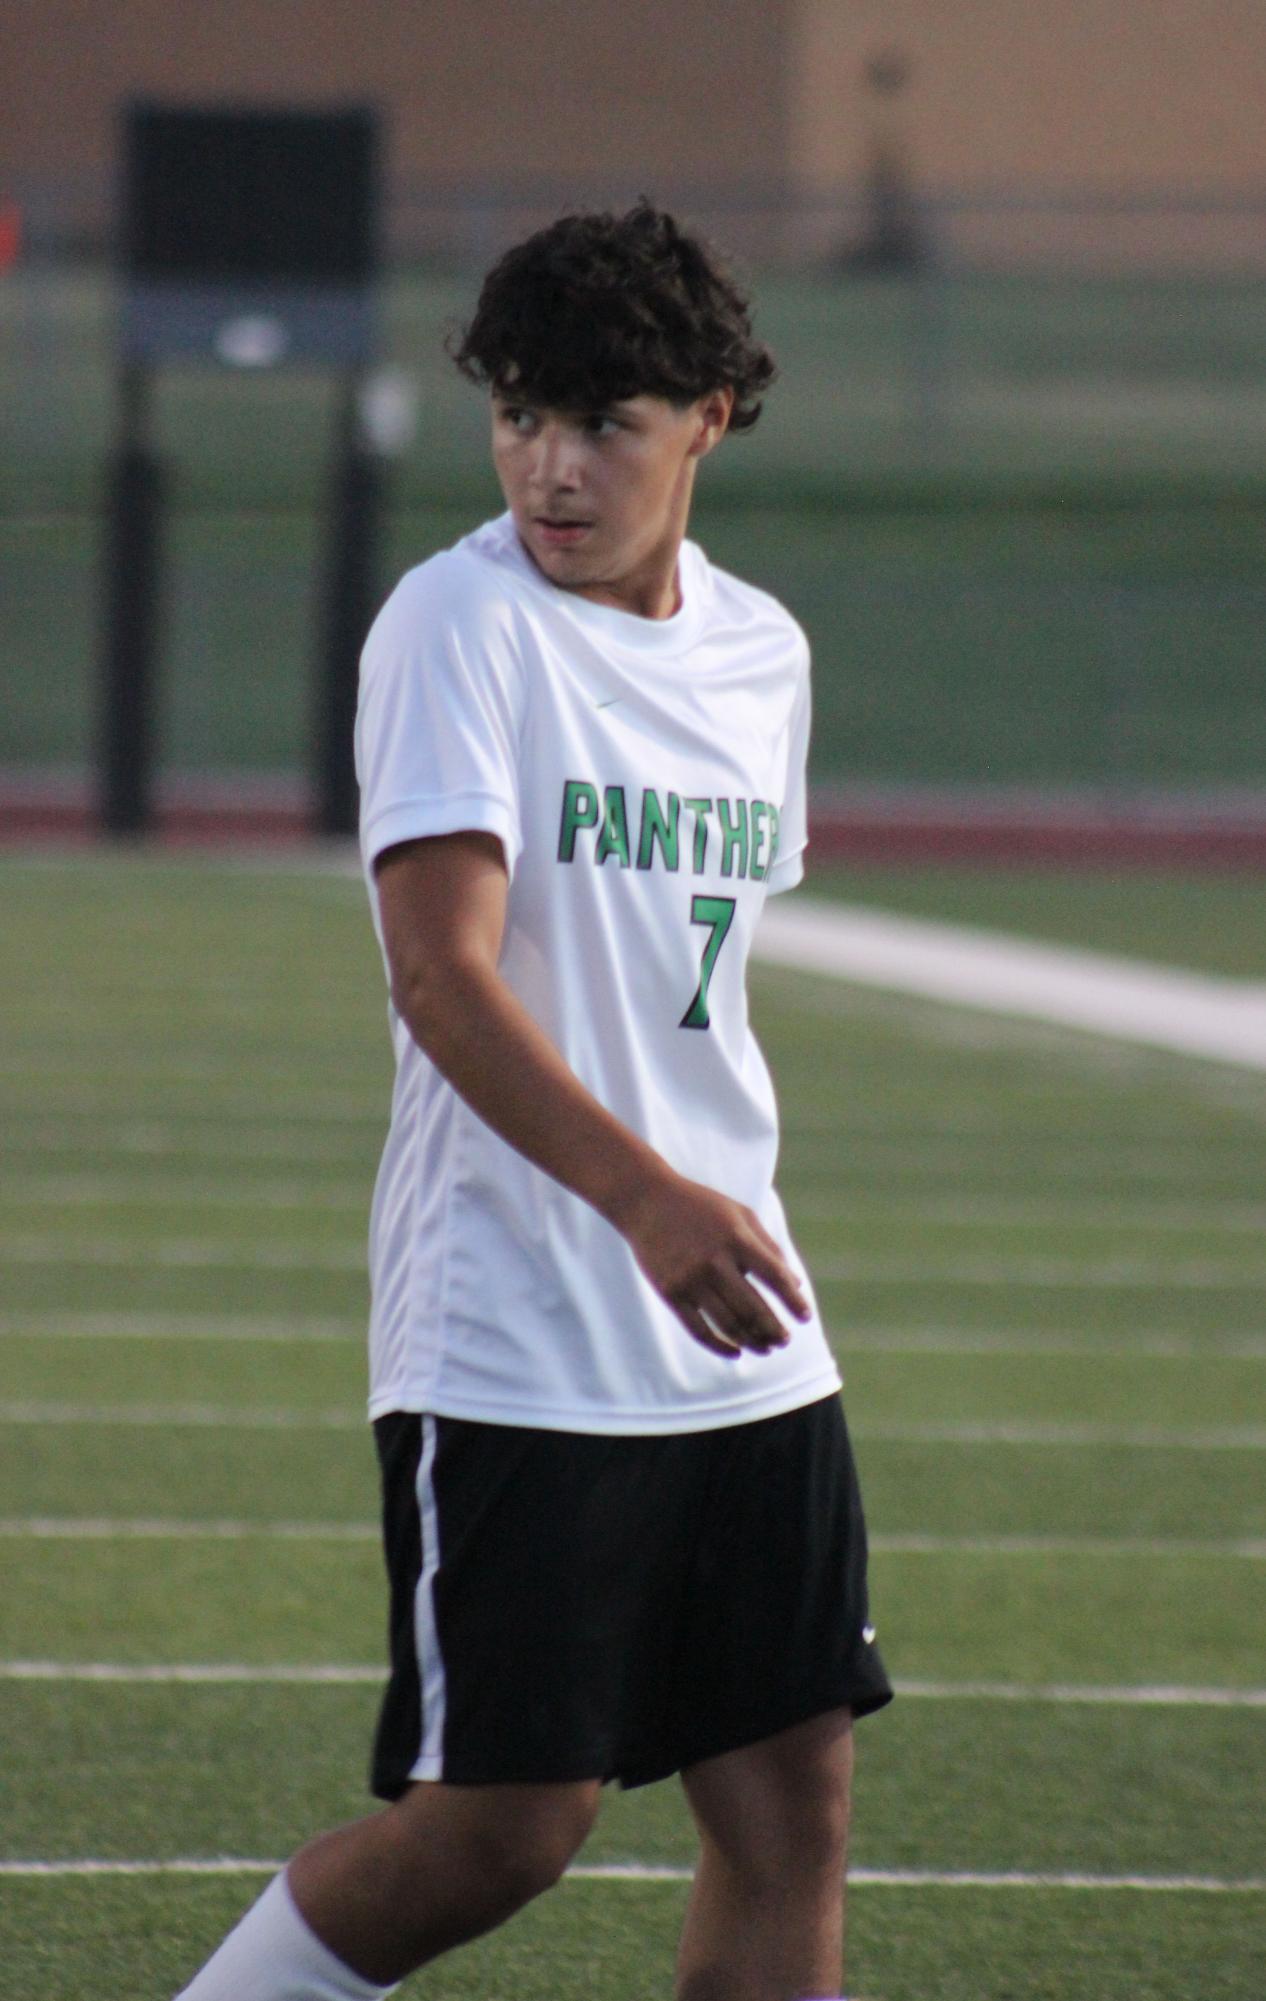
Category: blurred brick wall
<point>1121,95</point>
<point>1099,101</point>
<point>475,91</point>
<point>596,102</point>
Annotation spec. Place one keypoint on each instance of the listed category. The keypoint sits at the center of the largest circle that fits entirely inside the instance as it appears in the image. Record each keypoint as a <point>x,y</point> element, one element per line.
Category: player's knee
<point>525,1851</point>
<point>820,1832</point>
<point>796,1847</point>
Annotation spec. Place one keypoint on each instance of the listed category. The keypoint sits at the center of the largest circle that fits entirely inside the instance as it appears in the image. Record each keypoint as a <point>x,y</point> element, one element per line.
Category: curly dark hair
<point>599,308</point>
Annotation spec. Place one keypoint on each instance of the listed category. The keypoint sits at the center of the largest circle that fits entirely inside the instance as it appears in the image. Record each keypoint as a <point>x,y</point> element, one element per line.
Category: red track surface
<point>859,825</point>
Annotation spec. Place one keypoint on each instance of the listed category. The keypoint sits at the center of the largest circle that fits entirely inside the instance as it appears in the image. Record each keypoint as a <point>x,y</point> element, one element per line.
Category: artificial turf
<point>1016,1228</point>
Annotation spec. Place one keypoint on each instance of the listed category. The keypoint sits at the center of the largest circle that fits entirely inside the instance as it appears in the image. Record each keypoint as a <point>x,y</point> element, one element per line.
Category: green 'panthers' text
<point>667,830</point>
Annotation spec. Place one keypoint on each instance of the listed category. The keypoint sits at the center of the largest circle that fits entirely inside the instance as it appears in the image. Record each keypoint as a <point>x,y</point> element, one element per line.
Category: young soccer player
<point>622,1525</point>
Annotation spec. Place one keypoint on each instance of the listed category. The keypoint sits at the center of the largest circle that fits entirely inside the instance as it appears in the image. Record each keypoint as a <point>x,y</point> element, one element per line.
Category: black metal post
<point>130,635</point>
<point>349,599</point>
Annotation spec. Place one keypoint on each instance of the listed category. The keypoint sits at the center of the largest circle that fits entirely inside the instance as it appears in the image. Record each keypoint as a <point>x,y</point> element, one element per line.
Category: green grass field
<point>1022,521</point>
<point>1041,1259</point>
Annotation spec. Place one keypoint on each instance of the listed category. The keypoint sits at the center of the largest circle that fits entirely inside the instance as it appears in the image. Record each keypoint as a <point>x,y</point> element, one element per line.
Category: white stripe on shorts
<point>426,1639</point>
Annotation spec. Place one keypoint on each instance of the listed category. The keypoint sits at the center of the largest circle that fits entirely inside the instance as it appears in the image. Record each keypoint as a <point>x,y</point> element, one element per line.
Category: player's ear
<point>713,413</point>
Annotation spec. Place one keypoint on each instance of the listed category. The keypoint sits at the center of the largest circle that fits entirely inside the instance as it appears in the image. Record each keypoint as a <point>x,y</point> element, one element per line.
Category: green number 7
<point>718,913</point>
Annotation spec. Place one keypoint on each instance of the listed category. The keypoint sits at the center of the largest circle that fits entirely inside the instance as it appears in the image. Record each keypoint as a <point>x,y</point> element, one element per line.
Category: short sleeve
<point>793,829</point>
<point>440,713</point>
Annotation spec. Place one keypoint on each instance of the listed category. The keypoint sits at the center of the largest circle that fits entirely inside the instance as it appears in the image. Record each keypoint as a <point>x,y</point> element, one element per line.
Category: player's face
<point>600,499</point>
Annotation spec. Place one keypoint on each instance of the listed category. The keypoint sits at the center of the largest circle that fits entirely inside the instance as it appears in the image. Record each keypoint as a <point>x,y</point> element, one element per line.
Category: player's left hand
<point>701,1252</point>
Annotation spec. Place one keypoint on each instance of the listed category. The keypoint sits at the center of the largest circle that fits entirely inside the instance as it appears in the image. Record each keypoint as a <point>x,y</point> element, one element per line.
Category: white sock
<point>274,1956</point>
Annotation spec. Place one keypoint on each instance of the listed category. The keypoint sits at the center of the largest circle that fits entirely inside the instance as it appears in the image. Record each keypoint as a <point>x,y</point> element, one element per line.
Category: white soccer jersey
<point>646,780</point>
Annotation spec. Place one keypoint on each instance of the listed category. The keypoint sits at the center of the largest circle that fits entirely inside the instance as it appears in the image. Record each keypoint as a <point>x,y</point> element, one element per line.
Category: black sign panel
<point>226,195</point>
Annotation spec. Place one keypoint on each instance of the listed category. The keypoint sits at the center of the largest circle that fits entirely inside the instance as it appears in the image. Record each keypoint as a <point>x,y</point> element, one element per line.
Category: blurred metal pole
<point>130,590</point>
<point>1122,753</point>
<point>349,599</point>
<point>927,289</point>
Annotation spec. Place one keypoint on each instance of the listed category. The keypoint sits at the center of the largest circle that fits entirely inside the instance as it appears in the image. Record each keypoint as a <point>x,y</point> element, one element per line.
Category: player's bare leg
<point>383,1895</point>
<point>442,1865</point>
<point>765,1920</point>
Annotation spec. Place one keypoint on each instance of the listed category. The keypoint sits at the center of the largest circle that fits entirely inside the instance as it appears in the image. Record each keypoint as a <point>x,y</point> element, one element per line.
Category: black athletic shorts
<point>567,1606</point>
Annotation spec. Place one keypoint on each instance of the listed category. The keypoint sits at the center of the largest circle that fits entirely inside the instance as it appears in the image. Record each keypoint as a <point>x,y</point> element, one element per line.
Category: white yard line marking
<point>176,1327</point>
<point>100,1528</point>
<point>1213,1438</point>
<point>1166,1158</point>
<point>1145,1345</point>
<point>245,1108</point>
<point>1246,1548</point>
<point>1083,1159</point>
<point>184,1255</point>
<point>1148,1696</point>
<point>1051,1122</point>
<point>121,1191</point>
<point>193,1674</point>
<point>1226,1438</point>
<point>243,1673</point>
<point>1079,1273</point>
<point>108,1528</point>
<point>223,1865</point>
<point>992,1212</point>
<point>200,1416</point>
<point>903,1339</point>
<point>667,1872</point>
<point>125,1138</point>
<point>116,1191</point>
<point>1160,1006</point>
<point>1021,1879</point>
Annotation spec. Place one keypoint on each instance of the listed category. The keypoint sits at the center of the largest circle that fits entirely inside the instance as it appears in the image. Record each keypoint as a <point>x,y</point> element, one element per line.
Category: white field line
<point>116,1191</point>
<point>251,1107</point>
<point>1082,1274</point>
<point>193,1674</point>
<point>177,1327</point>
<point>1040,1130</point>
<point>1201,1275</point>
<point>1104,1160</point>
<point>1246,1548</point>
<point>1227,1438</point>
<point>100,1528</point>
<point>1213,1438</point>
<point>315,865</point>
<point>199,1416</point>
<point>1160,1006</point>
<point>179,1254</point>
<point>665,1872</point>
<point>165,1057</point>
<point>158,1132</point>
<point>1145,1344</point>
<point>903,1339</point>
<point>1218,1218</point>
<point>103,1528</point>
<point>1159,1695</point>
<point>174,1137</point>
<point>874,1165</point>
<point>247,1674</point>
